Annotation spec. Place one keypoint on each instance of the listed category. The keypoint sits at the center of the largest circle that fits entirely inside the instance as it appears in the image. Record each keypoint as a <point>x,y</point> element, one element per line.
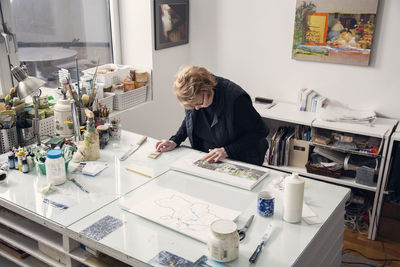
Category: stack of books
<point>309,100</point>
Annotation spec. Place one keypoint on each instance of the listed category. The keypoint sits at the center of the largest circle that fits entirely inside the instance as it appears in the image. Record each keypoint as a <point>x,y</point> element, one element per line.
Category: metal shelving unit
<point>382,129</point>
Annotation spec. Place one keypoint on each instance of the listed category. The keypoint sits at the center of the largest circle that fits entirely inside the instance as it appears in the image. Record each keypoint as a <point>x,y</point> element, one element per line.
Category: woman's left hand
<point>216,154</point>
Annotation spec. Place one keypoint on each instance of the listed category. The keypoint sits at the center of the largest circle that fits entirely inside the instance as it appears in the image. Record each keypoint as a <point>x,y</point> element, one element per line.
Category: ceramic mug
<point>265,203</point>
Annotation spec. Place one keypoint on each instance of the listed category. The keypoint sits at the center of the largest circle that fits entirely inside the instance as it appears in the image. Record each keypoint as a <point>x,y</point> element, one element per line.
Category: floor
<point>372,249</point>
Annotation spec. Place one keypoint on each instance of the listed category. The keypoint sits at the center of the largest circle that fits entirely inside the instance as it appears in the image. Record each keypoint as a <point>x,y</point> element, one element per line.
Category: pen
<point>146,175</point>
<point>79,185</point>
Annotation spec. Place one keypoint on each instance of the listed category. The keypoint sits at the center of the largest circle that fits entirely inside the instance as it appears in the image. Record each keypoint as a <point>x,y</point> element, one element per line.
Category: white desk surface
<point>142,239</point>
<point>40,54</point>
<point>24,190</point>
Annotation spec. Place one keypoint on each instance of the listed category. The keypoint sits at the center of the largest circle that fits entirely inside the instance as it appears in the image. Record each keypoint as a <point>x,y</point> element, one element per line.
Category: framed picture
<point>334,31</point>
<point>171,20</point>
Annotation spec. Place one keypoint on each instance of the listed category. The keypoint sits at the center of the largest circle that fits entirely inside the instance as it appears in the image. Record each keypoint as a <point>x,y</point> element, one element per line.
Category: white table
<point>139,240</point>
<point>41,61</point>
<point>42,54</point>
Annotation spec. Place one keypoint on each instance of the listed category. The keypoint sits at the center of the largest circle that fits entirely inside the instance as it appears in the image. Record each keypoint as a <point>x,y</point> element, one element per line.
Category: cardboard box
<point>298,154</point>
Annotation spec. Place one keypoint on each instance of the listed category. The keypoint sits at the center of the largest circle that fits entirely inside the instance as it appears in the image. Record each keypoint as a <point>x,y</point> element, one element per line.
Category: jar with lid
<point>223,241</point>
<point>55,167</point>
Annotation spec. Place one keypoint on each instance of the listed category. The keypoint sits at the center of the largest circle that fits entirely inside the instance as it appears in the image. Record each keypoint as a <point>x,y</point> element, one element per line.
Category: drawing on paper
<point>231,169</point>
<point>230,172</point>
<point>180,212</point>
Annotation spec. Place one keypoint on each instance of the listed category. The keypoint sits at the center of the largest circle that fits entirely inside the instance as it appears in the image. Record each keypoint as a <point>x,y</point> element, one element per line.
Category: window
<point>52,34</point>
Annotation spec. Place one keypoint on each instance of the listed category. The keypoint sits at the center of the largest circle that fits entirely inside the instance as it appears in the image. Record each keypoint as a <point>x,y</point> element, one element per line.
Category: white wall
<point>250,43</point>
<point>161,117</point>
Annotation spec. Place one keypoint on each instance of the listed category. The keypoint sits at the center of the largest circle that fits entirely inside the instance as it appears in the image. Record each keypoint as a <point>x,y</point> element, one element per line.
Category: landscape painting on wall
<point>334,31</point>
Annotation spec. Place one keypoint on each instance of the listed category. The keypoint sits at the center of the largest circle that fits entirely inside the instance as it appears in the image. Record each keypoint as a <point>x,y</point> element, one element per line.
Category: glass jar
<point>55,167</point>
<point>223,241</point>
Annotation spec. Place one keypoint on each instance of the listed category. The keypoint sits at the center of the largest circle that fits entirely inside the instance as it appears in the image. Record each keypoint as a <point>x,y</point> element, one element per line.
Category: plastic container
<point>63,118</point>
<point>223,241</point>
<point>55,167</point>
<point>293,198</point>
<point>130,99</point>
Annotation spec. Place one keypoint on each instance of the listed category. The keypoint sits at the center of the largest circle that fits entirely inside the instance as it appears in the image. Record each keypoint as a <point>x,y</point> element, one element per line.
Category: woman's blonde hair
<point>190,82</point>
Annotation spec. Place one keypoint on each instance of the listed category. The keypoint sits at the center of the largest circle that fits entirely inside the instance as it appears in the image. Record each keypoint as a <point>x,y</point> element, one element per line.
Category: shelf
<point>90,260</point>
<point>32,229</point>
<point>379,128</point>
<point>28,261</point>
<point>82,256</point>
<point>346,150</point>
<point>347,181</point>
<point>28,245</point>
<point>285,112</point>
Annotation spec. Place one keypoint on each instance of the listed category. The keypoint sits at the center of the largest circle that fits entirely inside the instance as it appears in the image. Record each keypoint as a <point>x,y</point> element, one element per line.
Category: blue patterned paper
<point>265,207</point>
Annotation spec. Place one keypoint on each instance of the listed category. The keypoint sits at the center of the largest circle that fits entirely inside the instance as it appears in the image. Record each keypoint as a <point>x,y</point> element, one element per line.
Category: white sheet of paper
<point>230,172</point>
<point>180,212</point>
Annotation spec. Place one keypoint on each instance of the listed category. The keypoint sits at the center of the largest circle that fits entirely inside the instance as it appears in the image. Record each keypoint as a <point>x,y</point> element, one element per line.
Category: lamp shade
<point>27,85</point>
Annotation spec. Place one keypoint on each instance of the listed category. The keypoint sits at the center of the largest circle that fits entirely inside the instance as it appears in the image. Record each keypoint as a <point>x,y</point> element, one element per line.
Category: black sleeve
<point>249,124</point>
<point>181,134</point>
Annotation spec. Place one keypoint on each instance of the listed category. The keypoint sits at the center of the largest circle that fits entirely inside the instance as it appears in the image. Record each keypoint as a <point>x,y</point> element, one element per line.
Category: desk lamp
<point>29,86</point>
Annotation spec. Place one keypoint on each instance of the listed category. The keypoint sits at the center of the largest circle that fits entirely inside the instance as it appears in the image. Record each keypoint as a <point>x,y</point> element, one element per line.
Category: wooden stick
<point>146,175</point>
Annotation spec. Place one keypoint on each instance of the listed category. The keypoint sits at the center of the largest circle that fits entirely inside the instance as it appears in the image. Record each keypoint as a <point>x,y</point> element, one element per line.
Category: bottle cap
<point>54,154</point>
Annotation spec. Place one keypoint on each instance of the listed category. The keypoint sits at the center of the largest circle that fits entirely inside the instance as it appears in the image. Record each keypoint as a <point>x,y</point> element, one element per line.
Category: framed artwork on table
<point>171,21</point>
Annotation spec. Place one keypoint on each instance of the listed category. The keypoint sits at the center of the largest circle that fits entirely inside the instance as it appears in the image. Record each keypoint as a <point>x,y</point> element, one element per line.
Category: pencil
<point>146,175</point>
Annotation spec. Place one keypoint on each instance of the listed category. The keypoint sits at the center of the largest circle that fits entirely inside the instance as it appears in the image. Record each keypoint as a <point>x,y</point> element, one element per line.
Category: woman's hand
<point>165,145</point>
<point>216,154</point>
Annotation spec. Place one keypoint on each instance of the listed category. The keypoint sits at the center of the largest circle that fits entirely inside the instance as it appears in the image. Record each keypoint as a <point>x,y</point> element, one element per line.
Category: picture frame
<point>171,23</point>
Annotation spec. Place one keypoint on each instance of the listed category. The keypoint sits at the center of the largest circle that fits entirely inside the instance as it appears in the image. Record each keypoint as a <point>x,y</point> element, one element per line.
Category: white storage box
<point>130,99</point>
<point>109,78</point>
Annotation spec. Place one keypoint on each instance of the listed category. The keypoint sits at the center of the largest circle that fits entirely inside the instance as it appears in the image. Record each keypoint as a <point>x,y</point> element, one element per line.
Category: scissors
<point>242,231</point>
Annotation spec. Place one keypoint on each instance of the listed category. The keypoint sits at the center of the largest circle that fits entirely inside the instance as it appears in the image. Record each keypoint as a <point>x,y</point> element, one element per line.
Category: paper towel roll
<point>293,198</point>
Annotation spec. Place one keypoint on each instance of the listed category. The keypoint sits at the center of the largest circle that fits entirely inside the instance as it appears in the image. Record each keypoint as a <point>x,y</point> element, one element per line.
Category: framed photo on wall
<point>171,23</point>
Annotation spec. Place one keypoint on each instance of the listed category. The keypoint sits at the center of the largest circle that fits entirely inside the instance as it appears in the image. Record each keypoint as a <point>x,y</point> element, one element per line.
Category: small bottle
<point>11,161</point>
<point>31,161</point>
<point>25,167</point>
<point>20,154</point>
<point>223,241</point>
<point>15,162</point>
<point>293,198</point>
<point>55,167</point>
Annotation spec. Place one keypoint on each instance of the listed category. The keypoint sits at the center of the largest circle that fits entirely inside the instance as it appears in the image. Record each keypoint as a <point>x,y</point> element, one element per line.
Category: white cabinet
<point>288,114</point>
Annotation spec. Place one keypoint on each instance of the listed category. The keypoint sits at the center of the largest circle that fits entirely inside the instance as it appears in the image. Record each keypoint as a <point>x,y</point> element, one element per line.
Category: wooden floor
<point>372,249</point>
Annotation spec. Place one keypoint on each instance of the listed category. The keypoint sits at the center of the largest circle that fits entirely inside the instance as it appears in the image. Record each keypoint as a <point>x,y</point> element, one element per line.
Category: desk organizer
<point>8,139</point>
<point>109,78</point>
<point>130,99</point>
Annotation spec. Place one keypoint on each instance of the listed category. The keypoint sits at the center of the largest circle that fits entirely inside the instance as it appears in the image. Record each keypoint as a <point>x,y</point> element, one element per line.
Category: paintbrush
<point>93,83</point>
<point>77,80</point>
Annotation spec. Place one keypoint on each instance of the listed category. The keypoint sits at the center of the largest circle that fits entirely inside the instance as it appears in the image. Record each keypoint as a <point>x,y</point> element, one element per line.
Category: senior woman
<point>219,118</point>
